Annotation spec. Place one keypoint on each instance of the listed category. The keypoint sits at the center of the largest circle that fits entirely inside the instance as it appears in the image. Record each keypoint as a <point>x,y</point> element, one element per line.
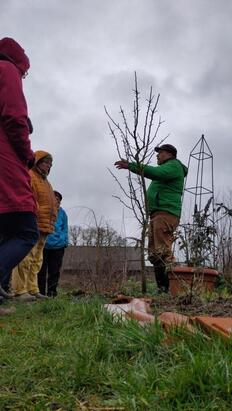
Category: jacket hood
<point>184,168</point>
<point>41,154</point>
<point>13,52</point>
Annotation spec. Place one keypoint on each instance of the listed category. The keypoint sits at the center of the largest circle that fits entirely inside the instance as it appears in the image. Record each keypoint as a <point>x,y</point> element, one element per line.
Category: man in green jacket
<point>164,202</point>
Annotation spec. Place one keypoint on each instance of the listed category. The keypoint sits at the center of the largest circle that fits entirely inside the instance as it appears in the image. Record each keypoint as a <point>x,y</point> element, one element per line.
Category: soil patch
<point>218,307</point>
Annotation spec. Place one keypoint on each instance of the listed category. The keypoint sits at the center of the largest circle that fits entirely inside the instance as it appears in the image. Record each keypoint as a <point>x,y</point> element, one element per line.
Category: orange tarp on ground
<point>220,325</point>
<point>171,320</point>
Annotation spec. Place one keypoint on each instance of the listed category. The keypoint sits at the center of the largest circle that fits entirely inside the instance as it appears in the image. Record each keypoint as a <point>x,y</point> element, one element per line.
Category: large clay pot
<point>182,278</point>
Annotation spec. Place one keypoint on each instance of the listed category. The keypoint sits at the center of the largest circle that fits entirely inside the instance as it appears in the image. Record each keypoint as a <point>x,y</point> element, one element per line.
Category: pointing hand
<point>122,164</point>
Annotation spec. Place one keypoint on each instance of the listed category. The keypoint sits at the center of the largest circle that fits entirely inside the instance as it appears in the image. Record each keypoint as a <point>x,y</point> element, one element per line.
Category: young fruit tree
<point>135,143</point>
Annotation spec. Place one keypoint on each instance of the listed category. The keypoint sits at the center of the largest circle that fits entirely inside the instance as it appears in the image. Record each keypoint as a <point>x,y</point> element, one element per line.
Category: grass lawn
<point>69,354</point>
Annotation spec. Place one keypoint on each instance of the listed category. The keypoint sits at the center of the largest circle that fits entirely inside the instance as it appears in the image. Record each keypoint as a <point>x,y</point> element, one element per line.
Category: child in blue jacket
<point>53,254</point>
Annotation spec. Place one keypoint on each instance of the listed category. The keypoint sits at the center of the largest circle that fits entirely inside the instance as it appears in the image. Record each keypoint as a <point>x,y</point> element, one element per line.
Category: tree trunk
<point>142,257</point>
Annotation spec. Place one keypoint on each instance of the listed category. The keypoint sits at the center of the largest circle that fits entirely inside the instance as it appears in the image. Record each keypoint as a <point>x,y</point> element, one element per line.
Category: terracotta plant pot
<point>182,278</point>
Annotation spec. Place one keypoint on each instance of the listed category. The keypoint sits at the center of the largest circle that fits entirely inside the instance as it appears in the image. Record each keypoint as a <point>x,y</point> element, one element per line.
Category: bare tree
<point>224,236</point>
<point>224,245</point>
<point>74,232</point>
<point>136,144</point>
<point>100,236</point>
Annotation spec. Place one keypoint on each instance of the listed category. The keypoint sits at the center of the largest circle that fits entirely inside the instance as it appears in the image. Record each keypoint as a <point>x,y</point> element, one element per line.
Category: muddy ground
<point>217,304</point>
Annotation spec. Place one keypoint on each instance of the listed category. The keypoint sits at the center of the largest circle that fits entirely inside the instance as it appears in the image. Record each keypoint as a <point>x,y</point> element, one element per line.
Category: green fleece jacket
<point>165,191</point>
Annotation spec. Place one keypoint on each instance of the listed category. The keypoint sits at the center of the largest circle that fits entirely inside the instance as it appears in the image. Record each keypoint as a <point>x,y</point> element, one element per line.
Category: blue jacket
<point>59,238</point>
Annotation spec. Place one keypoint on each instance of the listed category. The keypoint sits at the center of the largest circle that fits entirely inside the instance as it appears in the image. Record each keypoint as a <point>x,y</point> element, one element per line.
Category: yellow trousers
<point>24,276</point>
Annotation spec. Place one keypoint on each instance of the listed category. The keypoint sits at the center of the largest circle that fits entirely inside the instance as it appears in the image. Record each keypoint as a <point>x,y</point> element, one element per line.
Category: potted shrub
<point>196,241</point>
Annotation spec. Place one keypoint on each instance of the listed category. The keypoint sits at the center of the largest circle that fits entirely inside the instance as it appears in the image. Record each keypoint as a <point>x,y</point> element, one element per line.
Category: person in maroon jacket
<point>18,226</point>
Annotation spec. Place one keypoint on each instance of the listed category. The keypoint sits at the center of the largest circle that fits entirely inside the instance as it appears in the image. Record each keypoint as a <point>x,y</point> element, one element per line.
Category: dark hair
<point>57,194</point>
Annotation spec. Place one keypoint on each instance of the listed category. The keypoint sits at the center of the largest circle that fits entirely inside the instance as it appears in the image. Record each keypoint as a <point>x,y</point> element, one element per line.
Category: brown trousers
<point>161,237</point>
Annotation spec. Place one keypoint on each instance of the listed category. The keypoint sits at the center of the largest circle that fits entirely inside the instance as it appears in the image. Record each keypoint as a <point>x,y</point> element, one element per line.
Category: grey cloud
<point>83,55</point>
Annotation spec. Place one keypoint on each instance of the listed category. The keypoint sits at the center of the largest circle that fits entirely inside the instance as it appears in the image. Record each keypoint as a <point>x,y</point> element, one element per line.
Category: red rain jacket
<point>15,148</point>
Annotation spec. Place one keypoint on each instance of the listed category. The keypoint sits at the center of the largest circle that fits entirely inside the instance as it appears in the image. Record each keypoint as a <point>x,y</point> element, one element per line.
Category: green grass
<point>133,287</point>
<point>69,354</point>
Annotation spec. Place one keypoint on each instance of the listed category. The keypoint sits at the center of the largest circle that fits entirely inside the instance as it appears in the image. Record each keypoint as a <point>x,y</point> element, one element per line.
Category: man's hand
<point>122,164</point>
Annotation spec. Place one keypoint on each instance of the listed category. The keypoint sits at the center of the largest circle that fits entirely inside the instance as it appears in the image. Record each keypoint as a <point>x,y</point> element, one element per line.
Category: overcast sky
<point>83,56</point>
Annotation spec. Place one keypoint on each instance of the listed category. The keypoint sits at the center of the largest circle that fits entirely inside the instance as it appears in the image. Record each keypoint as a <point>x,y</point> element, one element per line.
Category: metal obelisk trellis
<point>201,153</point>
<point>200,185</point>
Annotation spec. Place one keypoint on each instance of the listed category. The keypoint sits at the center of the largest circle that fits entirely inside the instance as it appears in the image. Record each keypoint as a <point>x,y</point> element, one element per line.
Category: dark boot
<point>4,294</point>
<point>162,279</point>
<point>5,283</point>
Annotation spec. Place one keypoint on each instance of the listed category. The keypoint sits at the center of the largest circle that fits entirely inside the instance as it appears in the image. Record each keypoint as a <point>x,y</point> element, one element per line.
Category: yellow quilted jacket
<point>44,195</point>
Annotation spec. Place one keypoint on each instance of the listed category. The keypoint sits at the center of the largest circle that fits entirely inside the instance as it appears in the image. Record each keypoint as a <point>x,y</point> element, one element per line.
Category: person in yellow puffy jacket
<point>24,281</point>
